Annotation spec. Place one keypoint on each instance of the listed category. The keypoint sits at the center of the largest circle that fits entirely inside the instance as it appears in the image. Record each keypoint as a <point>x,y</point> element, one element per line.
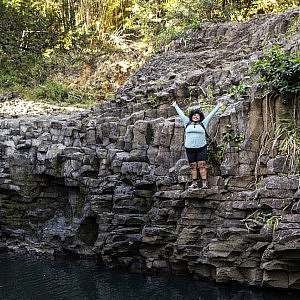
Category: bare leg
<point>203,172</point>
<point>194,173</point>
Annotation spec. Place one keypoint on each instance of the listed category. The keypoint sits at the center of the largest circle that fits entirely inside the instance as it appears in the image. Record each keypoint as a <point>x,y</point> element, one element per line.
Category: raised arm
<point>211,114</point>
<point>185,120</point>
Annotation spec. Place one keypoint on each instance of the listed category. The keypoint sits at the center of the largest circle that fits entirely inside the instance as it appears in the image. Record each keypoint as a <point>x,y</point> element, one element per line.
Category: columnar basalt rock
<point>111,183</point>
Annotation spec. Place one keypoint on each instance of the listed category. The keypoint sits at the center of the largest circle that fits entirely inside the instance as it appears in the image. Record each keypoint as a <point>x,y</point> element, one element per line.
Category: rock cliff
<point>110,183</point>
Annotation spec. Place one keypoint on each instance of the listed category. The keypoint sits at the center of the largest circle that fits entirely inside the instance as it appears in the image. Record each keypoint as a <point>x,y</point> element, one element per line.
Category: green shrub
<point>24,28</point>
<point>59,93</point>
<point>22,70</point>
<point>238,90</point>
<point>53,91</point>
<point>279,72</point>
<point>287,142</point>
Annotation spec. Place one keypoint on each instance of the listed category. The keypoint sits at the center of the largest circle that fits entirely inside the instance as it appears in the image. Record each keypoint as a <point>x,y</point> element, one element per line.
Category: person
<point>196,142</point>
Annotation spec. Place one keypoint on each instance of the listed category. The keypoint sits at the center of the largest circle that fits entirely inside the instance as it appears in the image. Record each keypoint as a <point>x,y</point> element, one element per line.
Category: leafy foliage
<point>46,23</point>
<point>238,90</point>
<point>280,72</point>
<point>61,94</point>
<point>24,28</point>
<point>30,74</point>
<point>22,70</point>
<point>123,32</point>
<point>229,136</point>
<point>287,142</point>
<point>259,219</point>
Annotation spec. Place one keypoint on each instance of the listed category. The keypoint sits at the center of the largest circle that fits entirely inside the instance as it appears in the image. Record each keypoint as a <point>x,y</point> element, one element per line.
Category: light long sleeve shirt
<point>194,133</point>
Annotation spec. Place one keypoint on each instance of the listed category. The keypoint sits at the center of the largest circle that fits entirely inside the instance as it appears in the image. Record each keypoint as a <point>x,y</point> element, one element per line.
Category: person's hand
<point>174,103</point>
<point>223,101</point>
<point>222,105</point>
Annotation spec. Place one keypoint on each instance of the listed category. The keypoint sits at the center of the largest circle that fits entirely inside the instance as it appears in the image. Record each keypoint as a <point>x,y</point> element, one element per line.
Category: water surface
<point>29,278</point>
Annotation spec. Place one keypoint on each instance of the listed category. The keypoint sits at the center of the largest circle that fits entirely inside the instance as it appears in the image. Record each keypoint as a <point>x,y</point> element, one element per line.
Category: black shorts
<point>196,154</point>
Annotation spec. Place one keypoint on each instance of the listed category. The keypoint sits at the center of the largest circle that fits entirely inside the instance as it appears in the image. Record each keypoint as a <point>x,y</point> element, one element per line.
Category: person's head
<point>196,115</point>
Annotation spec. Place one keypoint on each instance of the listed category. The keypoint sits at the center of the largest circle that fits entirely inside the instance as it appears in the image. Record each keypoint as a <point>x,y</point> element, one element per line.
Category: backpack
<point>208,138</point>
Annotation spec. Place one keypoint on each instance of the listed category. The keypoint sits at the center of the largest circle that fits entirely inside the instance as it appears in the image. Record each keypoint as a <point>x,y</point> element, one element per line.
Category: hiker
<point>196,141</point>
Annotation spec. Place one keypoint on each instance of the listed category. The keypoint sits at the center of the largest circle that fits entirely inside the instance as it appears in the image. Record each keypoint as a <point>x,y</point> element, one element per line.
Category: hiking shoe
<point>204,185</point>
<point>193,186</point>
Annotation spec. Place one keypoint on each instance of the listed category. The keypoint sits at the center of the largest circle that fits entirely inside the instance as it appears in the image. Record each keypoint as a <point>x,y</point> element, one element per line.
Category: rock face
<point>111,183</point>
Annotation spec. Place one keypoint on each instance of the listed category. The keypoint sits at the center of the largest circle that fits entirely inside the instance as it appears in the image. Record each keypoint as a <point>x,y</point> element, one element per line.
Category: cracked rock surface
<point>111,183</point>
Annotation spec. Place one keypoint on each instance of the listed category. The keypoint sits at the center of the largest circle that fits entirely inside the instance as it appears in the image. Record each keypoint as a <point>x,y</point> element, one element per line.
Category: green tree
<point>24,28</point>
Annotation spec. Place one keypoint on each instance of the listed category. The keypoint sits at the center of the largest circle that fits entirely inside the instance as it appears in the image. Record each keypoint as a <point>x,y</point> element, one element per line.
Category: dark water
<point>27,278</point>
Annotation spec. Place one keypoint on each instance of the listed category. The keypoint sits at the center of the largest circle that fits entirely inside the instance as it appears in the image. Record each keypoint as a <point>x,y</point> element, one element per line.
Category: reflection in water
<point>27,278</point>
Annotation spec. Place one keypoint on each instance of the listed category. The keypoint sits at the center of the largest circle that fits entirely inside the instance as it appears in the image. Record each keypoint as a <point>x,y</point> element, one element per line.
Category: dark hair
<point>196,111</point>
